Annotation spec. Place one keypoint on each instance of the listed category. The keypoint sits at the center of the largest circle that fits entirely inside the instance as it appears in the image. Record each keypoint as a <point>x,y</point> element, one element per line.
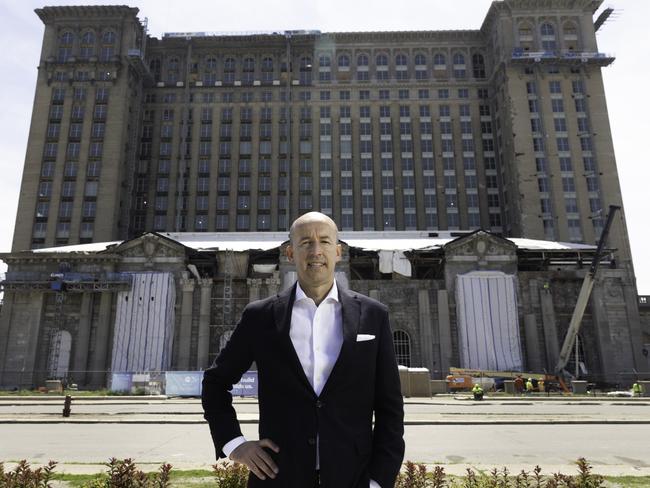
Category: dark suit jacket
<point>364,381</point>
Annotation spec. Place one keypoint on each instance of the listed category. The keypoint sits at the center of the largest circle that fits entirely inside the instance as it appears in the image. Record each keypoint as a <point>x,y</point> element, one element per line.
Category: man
<point>325,364</point>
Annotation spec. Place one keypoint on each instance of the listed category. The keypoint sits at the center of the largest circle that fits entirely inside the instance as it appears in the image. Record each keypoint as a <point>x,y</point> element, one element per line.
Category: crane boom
<point>583,297</point>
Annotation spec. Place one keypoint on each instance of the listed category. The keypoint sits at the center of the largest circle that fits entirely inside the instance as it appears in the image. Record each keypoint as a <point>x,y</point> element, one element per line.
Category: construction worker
<point>529,385</point>
<point>478,392</point>
<point>636,389</point>
<point>519,385</point>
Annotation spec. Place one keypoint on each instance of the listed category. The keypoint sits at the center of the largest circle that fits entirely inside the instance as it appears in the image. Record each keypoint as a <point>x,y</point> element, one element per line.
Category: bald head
<point>312,218</point>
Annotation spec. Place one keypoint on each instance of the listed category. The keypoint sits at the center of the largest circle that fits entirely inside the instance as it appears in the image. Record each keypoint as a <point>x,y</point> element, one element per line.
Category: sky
<point>625,35</point>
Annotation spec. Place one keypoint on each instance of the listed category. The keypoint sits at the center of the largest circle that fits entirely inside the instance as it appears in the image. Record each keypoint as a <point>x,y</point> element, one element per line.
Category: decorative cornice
<point>51,14</point>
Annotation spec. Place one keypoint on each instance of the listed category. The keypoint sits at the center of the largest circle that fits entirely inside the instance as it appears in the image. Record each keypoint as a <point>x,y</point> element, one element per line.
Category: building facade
<point>170,302</point>
<point>502,128</point>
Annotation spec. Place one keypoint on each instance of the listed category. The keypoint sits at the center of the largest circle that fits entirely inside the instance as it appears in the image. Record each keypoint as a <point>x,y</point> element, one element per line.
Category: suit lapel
<point>351,314</point>
<point>282,315</point>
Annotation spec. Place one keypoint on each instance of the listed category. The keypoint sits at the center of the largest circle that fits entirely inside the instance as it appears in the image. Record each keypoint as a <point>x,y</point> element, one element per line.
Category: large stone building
<point>503,128</point>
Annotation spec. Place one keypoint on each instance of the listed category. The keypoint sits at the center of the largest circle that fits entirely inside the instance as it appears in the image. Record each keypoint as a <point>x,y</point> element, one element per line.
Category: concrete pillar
<point>637,360</point>
<point>426,329</point>
<point>31,336</point>
<point>21,327</point>
<point>550,328</point>
<point>444,330</point>
<point>204,325</point>
<point>81,341</point>
<point>253,289</point>
<point>99,361</point>
<point>534,358</point>
<point>273,284</point>
<point>185,324</point>
<point>606,350</point>
<point>5,325</point>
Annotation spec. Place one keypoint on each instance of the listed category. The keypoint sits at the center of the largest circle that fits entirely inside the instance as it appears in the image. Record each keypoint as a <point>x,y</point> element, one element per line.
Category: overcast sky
<point>625,35</point>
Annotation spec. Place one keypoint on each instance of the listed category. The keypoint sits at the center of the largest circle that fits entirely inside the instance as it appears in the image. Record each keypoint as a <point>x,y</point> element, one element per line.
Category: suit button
<point>319,404</point>
<point>311,441</point>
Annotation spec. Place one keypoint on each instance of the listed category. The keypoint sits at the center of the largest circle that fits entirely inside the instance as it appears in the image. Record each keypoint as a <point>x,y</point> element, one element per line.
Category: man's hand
<point>253,455</point>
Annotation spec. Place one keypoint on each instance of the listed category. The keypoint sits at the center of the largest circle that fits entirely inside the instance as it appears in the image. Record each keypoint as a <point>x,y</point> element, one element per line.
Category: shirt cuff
<point>374,484</point>
<point>230,446</point>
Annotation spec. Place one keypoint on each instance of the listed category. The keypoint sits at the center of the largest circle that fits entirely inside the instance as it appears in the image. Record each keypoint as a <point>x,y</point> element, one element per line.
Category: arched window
<point>229,64</point>
<point>382,60</point>
<point>67,38</point>
<point>324,61</point>
<point>87,48</point>
<point>478,66</point>
<point>305,70</point>
<point>108,37</point>
<point>305,63</point>
<point>173,63</point>
<point>362,60</point>
<point>267,64</point>
<point>267,70</point>
<point>402,345</point>
<point>107,49</point>
<point>421,67</point>
<point>210,63</point>
<point>439,61</point>
<point>65,46</point>
<point>459,66</point>
<point>344,61</point>
<point>154,66</point>
<point>249,64</point>
<point>401,67</point>
<point>548,37</point>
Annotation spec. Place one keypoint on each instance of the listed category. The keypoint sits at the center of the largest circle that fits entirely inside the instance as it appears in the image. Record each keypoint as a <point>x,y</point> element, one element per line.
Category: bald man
<point>325,364</point>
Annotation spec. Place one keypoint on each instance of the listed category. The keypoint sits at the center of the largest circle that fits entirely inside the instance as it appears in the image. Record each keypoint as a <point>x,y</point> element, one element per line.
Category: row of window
<point>87,46</point>
<point>401,62</point>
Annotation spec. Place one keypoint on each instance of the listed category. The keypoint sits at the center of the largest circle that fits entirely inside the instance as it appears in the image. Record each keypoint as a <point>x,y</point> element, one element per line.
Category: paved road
<point>436,410</point>
<point>613,449</point>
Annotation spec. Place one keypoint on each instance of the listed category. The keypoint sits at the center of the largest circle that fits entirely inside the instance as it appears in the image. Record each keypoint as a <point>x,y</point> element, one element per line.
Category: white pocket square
<point>364,337</point>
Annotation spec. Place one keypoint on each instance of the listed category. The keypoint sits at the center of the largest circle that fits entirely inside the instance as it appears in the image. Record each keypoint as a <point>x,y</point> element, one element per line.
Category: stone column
<point>99,362</point>
<point>550,328</point>
<point>606,349</point>
<point>426,329</point>
<point>203,349</point>
<point>31,336</point>
<point>534,362</point>
<point>253,289</point>
<point>185,324</point>
<point>5,325</point>
<point>444,329</point>
<point>81,341</point>
<point>273,284</point>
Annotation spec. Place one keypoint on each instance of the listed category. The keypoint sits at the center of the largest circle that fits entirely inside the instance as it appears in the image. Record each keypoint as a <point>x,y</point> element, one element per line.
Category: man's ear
<point>339,252</point>
<point>289,253</point>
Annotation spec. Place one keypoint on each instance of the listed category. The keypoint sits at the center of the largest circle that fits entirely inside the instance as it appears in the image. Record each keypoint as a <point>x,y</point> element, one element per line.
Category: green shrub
<point>230,475</point>
<point>23,476</point>
<point>416,476</point>
<point>125,474</point>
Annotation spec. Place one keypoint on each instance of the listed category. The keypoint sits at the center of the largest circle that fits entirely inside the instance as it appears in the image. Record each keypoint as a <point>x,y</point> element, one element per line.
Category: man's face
<point>315,252</point>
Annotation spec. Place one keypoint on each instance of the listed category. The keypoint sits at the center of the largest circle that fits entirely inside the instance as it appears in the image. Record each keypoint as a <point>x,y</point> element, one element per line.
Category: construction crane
<point>583,297</point>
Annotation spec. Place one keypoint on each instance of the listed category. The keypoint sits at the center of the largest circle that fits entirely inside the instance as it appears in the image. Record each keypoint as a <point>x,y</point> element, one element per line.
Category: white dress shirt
<point>317,336</point>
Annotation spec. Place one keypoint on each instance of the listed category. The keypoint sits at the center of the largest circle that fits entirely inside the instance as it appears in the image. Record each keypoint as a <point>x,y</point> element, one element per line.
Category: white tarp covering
<point>488,324</point>
<point>144,324</point>
<point>394,261</point>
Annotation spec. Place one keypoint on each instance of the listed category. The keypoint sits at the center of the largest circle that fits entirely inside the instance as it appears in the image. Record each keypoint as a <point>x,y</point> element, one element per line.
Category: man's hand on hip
<point>253,455</point>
